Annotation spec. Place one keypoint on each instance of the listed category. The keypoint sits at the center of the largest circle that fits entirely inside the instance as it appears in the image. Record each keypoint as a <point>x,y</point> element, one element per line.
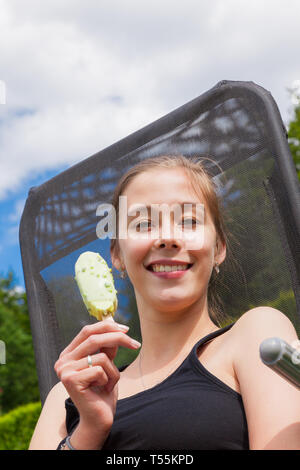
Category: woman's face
<point>183,287</point>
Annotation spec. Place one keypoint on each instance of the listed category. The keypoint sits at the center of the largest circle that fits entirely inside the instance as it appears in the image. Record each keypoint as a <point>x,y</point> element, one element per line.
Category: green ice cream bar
<point>96,285</point>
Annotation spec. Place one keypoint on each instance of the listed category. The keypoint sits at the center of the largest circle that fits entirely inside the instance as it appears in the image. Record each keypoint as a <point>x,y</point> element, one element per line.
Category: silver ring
<point>89,359</point>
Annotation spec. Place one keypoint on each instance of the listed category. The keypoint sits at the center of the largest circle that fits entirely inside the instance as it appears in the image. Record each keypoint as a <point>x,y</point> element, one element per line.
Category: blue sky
<point>10,212</point>
<point>80,76</point>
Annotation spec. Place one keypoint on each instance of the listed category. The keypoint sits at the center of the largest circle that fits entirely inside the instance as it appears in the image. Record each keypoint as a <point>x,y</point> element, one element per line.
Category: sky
<point>77,76</point>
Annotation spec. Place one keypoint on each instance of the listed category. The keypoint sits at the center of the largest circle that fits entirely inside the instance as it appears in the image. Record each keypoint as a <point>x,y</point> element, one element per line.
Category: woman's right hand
<point>93,390</point>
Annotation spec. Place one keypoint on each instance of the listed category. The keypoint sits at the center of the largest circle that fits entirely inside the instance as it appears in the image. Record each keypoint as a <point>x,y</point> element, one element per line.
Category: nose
<point>168,243</point>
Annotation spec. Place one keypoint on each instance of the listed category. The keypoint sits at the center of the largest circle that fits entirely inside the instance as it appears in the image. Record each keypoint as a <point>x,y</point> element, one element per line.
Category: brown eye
<point>144,225</point>
<point>188,222</point>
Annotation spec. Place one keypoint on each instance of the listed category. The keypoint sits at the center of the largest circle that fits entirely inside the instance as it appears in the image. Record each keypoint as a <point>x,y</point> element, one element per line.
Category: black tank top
<point>189,410</point>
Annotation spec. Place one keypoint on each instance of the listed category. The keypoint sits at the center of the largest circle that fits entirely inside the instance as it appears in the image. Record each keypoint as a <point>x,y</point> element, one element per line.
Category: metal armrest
<point>282,358</point>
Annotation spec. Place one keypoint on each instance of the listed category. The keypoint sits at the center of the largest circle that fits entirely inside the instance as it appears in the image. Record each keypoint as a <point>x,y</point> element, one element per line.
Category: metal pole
<point>282,358</point>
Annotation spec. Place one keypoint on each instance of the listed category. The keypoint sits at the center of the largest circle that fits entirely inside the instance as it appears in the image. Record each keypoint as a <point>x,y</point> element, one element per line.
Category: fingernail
<point>135,343</point>
<point>123,327</point>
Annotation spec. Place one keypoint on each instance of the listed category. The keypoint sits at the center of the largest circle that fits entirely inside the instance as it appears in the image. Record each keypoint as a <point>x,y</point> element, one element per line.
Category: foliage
<point>15,300</point>
<point>17,426</point>
<point>18,378</point>
<point>286,304</point>
<point>294,136</point>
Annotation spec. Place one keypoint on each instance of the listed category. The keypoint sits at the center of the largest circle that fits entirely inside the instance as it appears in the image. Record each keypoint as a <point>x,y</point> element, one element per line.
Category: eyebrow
<point>142,206</point>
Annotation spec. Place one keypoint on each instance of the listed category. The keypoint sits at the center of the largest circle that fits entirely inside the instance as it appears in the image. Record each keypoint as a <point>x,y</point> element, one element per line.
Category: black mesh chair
<point>237,125</point>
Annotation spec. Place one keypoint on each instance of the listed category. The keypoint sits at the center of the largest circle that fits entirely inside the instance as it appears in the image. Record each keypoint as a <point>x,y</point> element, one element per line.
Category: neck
<point>170,335</point>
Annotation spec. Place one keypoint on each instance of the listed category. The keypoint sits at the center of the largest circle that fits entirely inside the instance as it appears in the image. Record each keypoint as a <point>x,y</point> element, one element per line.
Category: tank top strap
<point>211,336</point>
<point>200,342</point>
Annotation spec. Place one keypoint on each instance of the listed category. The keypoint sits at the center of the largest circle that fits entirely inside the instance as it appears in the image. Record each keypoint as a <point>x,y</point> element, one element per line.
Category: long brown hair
<point>204,186</point>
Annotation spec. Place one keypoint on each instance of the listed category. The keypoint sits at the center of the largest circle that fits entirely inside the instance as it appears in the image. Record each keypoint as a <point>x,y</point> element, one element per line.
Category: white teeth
<point>168,268</point>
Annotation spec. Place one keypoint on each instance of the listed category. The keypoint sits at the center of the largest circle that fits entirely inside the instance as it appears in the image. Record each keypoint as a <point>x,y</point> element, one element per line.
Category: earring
<point>217,268</point>
<point>123,272</point>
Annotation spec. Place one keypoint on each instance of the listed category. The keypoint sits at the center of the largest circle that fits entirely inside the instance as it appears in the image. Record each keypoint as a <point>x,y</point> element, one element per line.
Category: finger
<point>83,379</point>
<point>95,328</point>
<point>102,360</point>
<point>110,352</point>
<point>106,340</point>
<point>99,359</point>
<point>67,365</point>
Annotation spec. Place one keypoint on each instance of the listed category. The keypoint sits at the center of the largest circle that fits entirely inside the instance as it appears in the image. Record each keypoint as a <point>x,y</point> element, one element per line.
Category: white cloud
<point>11,234</point>
<point>10,225</point>
<point>2,92</point>
<point>81,75</point>
<point>18,209</point>
<point>16,290</point>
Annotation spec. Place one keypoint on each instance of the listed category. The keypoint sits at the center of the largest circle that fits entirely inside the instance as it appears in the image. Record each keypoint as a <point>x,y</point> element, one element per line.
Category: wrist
<point>87,438</point>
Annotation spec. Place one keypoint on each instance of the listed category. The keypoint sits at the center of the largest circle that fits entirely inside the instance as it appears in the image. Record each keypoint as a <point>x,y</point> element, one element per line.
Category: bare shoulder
<point>260,323</point>
<point>265,315</point>
<point>271,404</point>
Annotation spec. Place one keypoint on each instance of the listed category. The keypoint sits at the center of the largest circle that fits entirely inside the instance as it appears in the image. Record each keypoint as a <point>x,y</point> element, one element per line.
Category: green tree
<point>18,378</point>
<point>294,131</point>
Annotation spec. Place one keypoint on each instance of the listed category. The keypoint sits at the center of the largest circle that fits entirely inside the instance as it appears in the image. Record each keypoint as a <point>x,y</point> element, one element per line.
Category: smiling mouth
<point>159,268</point>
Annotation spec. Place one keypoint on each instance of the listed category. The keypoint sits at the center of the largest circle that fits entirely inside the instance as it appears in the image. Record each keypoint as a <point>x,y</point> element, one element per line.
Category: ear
<point>115,257</point>
<point>221,251</point>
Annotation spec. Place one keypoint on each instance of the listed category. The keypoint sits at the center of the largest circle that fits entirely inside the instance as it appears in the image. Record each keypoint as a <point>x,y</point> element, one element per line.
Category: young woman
<point>193,385</point>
